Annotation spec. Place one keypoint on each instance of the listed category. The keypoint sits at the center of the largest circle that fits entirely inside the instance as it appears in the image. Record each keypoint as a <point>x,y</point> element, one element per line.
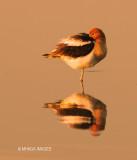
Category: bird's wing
<point>74,46</point>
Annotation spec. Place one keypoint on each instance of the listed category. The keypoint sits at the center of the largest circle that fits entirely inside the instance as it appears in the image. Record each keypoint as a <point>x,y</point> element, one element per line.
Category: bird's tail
<point>53,106</point>
<point>46,55</point>
<point>50,55</point>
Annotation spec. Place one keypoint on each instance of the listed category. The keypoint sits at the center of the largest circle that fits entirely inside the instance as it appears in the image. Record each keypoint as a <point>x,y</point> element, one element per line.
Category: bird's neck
<point>100,47</point>
<point>101,40</point>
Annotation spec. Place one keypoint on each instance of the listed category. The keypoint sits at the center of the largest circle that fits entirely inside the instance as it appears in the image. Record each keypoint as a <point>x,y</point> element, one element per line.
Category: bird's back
<point>74,46</point>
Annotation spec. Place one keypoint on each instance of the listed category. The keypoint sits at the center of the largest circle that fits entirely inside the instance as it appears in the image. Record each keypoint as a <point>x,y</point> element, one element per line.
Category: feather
<point>74,46</point>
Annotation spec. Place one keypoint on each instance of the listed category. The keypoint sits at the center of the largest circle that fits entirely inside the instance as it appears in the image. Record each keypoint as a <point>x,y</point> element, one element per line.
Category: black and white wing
<point>74,46</point>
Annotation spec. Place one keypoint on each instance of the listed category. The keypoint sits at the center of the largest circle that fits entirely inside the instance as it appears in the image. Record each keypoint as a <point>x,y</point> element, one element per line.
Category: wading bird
<point>82,50</point>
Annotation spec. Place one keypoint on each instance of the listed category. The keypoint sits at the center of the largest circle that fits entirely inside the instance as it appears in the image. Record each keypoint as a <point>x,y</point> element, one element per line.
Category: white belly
<point>80,62</point>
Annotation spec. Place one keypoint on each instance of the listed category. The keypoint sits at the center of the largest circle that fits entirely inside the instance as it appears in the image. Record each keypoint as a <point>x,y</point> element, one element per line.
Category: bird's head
<point>96,34</point>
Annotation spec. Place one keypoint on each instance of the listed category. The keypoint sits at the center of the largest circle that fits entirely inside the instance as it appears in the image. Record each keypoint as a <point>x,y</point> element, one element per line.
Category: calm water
<point>28,81</point>
<point>81,111</point>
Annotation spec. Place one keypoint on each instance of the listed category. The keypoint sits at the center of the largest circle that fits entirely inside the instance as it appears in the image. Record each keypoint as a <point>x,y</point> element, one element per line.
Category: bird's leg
<point>82,75</point>
<point>81,80</point>
<point>82,86</point>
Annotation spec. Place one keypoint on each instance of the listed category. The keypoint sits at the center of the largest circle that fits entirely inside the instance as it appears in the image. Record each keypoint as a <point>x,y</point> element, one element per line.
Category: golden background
<point>29,28</point>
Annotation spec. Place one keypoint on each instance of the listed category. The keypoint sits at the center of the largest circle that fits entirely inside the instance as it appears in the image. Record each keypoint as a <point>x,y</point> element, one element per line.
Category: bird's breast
<point>100,50</point>
<point>80,62</point>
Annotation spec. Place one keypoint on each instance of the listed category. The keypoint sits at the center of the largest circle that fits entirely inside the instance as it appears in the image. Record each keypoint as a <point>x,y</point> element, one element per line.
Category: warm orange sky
<point>27,29</point>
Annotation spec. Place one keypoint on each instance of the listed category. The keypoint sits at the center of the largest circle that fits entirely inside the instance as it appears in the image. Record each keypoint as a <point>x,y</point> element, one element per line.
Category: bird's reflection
<point>82,111</point>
